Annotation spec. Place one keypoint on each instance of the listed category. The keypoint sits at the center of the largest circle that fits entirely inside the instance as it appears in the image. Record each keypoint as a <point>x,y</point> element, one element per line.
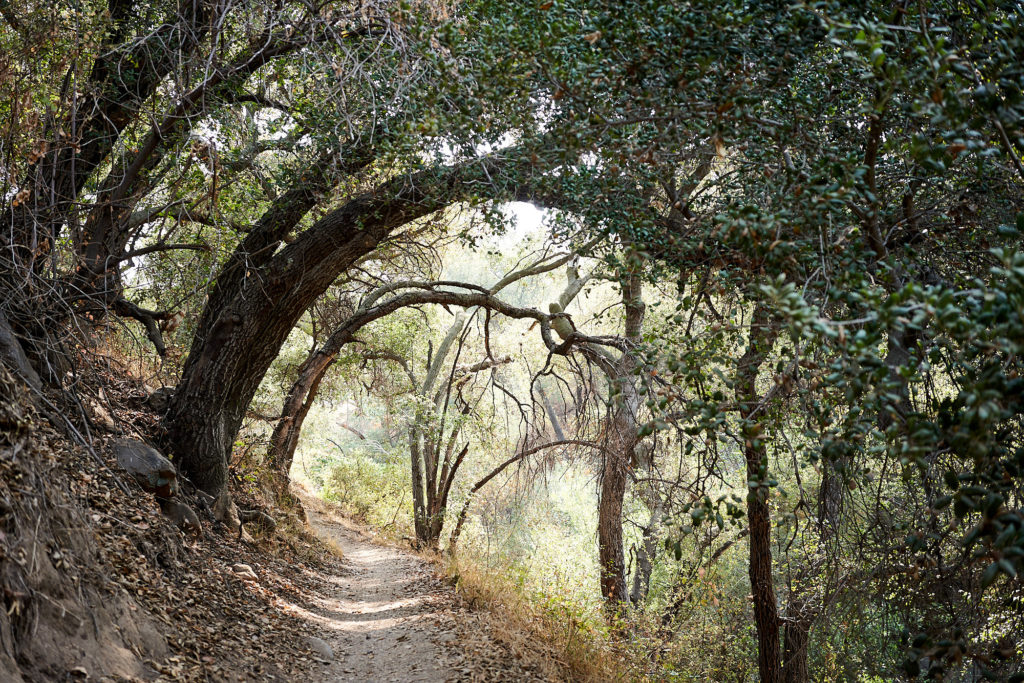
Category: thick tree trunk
<point>253,309</point>
<point>225,366</point>
<point>614,477</point>
<point>766,615</point>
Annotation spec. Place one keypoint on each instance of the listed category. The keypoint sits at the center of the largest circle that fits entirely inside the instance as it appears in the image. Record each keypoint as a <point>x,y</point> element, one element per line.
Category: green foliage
<point>850,170</point>
<point>369,483</point>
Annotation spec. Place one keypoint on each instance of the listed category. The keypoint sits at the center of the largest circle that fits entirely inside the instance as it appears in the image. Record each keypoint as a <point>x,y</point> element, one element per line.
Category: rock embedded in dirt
<point>244,572</point>
<point>99,415</point>
<point>153,472</point>
<point>320,648</point>
<point>13,356</point>
<point>258,518</point>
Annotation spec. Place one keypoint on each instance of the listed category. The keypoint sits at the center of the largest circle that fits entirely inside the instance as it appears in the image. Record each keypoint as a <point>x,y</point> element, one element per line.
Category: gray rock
<point>13,356</point>
<point>320,648</point>
<point>258,518</point>
<point>244,572</point>
<point>154,473</point>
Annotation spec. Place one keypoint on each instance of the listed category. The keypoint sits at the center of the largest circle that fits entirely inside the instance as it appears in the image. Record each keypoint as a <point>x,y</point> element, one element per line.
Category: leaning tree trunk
<point>264,289</point>
<point>253,309</point>
<point>549,409</point>
<point>766,615</point>
<point>125,73</point>
<point>285,437</point>
<point>100,106</point>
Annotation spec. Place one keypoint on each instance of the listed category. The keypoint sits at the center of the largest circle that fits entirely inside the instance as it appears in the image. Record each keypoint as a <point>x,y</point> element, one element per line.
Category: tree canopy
<point>802,224</point>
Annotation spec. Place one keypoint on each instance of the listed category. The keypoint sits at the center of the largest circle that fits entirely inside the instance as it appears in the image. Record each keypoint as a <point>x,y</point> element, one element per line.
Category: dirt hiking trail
<point>392,619</point>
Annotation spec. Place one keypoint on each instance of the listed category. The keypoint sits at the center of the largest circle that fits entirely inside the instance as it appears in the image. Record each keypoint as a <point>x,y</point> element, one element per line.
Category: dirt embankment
<point>97,585</point>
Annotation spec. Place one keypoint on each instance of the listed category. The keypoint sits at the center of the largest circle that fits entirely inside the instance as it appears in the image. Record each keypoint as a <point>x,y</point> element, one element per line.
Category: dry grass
<point>559,645</point>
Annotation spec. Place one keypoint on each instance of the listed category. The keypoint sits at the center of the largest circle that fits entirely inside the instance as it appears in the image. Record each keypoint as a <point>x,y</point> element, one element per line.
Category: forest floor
<point>391,617</point>
<point>97,585</point>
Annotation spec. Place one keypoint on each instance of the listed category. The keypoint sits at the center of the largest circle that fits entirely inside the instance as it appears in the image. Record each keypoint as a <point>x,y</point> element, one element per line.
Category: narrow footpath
<point>391,619</point>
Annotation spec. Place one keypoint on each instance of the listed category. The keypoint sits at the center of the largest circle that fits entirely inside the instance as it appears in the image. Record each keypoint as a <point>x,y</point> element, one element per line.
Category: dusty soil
<point>388,618</point>
<point>391,617</point>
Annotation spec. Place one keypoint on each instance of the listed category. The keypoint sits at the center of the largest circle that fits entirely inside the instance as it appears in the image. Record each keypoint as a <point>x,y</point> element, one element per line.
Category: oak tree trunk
<point>623,436</point>
<point>799,619</point>
<point>614,477</point>
<point>766,615</point>
<point>253,309</point>
<point>285,437</point>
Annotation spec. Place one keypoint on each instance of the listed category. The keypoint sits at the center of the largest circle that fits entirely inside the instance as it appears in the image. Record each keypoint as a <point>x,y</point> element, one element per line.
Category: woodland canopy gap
<point>701,320</point>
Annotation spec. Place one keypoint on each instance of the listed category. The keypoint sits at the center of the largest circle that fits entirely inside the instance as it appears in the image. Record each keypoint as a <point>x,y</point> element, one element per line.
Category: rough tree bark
<point>99,107</point>
<point>125,74</point>
<point>614,479</point>
<point>86,146</point>
<point>796,637</point>
<point>263,290</point>
<point>622,434</point>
